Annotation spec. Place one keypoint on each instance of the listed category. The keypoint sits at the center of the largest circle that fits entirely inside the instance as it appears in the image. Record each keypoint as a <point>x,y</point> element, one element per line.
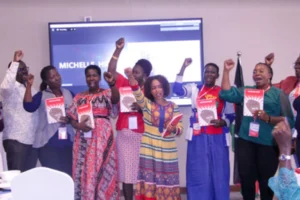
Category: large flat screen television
<point>165,43</point>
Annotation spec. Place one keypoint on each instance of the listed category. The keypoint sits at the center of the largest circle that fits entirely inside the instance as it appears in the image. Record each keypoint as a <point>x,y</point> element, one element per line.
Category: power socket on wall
<point>88,18</point>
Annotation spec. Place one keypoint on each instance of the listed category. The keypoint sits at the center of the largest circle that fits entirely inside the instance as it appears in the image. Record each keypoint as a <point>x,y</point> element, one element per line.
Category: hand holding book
<point>64,120</point>
<point>218,123</point>
<point>171,128</point>
<point>262,115</point>
<point>83,126</point>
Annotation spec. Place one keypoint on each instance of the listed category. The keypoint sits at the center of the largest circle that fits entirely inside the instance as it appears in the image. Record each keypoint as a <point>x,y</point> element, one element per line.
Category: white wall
<point>255,28</point>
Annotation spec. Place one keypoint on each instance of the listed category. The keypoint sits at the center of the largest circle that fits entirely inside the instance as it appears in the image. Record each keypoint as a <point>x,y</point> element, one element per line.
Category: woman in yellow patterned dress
<point>158,176</point>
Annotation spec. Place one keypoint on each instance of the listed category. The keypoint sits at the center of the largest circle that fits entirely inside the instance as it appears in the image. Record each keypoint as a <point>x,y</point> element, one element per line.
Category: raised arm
<point>228,65</point>
<point>10,76</point>
<point>178,88</point>
<point>228,93</point>
<point>187,62</point>
<point>112,65</point>
<point>31,103</point>
<point>115,95</point>
<point>138,94</point>
<point>269,59</point>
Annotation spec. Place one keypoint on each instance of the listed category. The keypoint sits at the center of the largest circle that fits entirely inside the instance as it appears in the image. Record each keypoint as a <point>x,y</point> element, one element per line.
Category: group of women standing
<point>141,156</point>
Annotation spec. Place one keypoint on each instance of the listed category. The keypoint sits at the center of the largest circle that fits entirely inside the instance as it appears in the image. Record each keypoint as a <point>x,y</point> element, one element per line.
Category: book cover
<point>206,110</point>
<point>174,121</point>
<point>55,108</point>
<point>126,99</point>
<point>253,100</point>
<point>85,112</point>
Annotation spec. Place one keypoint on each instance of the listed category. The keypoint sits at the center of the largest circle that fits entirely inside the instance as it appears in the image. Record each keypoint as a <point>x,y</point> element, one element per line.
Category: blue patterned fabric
<point>285,186</point>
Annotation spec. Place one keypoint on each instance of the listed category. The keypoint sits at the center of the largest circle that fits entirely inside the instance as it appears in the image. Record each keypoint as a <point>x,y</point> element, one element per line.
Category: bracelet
<point>269,120</point>
<point>115,57</point>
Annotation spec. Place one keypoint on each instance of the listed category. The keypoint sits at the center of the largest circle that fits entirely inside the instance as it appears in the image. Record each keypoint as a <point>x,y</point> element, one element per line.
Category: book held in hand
<point>174,121</point>
<point>253,101</point>
<point>85,112</point>
<point>55,108</point>
<point>206,111</point>
<point>126,99</point>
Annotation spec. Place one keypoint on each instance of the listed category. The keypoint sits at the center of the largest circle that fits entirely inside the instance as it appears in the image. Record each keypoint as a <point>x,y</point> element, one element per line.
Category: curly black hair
<point>164,83</point>
<point>95,67</point>
<point>145,65</point>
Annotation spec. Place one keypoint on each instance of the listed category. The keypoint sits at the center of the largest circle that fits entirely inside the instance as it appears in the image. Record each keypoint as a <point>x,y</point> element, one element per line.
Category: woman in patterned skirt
<point>129,138</point>
<point>158,176</point>
<point>94,151</point>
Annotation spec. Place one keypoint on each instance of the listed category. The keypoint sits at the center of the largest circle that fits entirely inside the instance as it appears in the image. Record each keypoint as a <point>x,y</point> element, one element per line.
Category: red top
<point>122,122</point>
<point>212,93</point>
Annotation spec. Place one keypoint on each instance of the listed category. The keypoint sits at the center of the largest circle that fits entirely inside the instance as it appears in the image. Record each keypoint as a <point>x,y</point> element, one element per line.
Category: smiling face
<point>92,79</point>
<point>53,79</point>
<point>157,90</point>
<point>261,75</point>
<point>210,75</point>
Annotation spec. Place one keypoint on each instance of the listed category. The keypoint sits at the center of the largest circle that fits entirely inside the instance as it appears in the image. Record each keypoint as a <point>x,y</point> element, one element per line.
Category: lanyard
<point>201,95</point>
<point>267,88</point>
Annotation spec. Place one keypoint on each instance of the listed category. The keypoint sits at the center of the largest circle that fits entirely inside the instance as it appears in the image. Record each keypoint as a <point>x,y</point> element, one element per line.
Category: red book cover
<point>126,99</point>
<point>253,100</point>
<point>174,121</point>
<point>85,111</point>
<point>55,108</point>
<point>206,110</point>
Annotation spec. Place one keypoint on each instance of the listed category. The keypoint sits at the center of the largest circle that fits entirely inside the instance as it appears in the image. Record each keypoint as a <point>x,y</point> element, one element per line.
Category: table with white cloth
<point>5,195</point>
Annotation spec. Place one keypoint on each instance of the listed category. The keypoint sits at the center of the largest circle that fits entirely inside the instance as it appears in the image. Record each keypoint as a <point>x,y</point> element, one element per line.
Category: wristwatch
<point>284,157</point>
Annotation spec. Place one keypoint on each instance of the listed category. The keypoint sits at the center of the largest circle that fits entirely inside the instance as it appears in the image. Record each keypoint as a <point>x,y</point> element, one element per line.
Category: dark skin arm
<point>218,123</point>
<point>80,126</point>
<point>228,65</point>
<point>283,136</point>
<point>28,94</point>
<point>185,64</point>
<point>269,59</point>
<point>115,95</point>
<point>262,115</point>
<point>112,65</point>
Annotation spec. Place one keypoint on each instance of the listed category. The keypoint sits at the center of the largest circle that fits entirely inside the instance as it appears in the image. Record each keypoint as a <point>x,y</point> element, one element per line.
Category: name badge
<point>62,133</point>
<point>254,129</point>
<point>88,134</point>
<point>189,134</point>
<point>132,123</point>
<point>196,129</point>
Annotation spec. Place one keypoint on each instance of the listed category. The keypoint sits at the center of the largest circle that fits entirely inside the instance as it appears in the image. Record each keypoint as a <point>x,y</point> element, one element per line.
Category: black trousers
<point>298,149</point>
<point>16,154</point>
<point>256,162</point>
<point>56,154</point>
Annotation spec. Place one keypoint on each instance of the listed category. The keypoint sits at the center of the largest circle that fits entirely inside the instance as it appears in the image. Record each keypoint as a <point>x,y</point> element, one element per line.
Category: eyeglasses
<point>23,69</point>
